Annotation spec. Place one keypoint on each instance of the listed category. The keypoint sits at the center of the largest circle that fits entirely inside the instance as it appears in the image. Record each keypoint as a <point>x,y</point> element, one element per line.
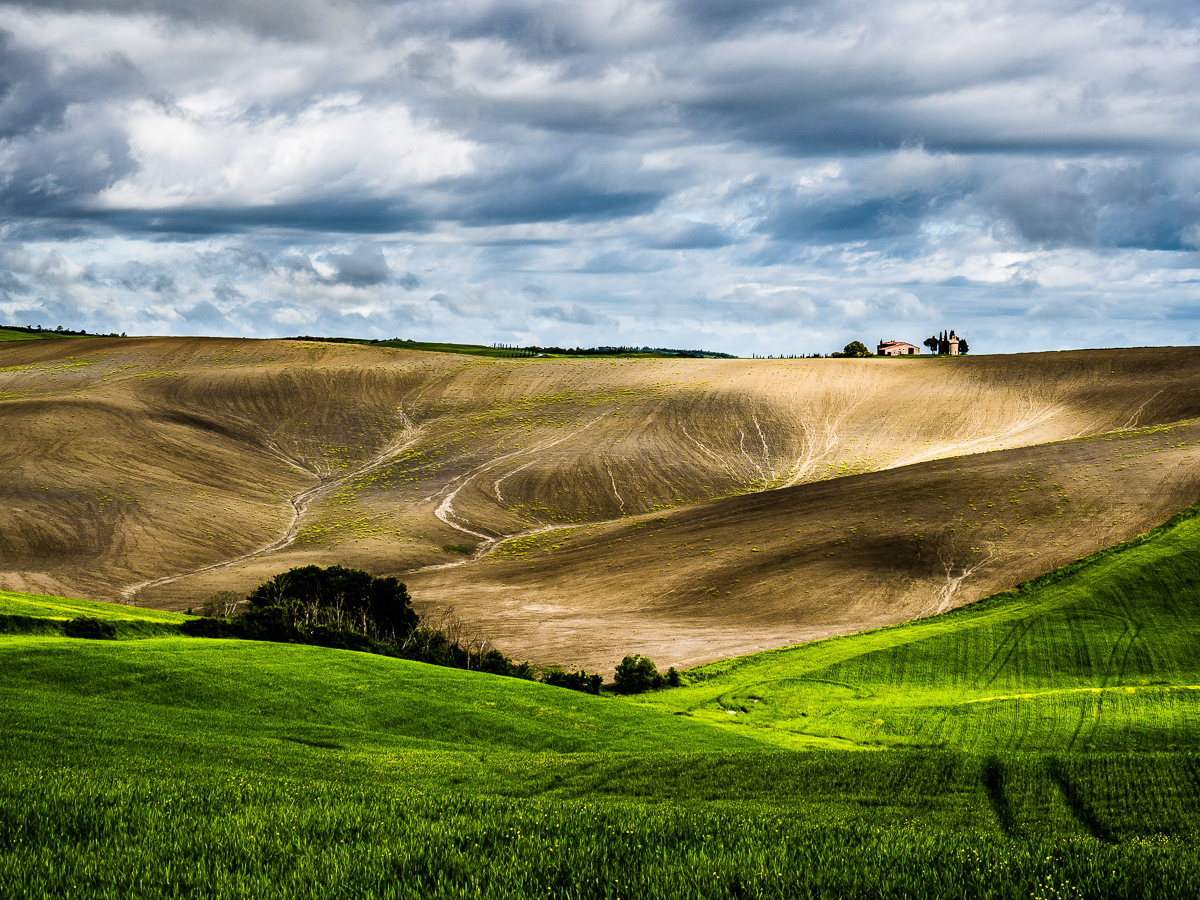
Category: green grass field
<point>1041,744</point>
<point>10,334</point>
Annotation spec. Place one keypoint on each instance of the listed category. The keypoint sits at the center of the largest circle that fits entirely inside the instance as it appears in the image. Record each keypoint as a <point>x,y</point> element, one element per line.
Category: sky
<point>748,176</point>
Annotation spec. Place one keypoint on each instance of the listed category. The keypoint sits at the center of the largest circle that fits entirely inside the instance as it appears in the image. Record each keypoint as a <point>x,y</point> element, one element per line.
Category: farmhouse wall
<point>896,348</point>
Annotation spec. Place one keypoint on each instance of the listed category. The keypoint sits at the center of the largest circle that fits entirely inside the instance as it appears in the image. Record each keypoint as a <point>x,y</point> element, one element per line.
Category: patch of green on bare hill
<point>840,493</point>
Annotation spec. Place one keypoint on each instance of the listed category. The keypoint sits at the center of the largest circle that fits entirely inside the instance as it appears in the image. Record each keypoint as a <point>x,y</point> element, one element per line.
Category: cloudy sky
<point>752,176</point>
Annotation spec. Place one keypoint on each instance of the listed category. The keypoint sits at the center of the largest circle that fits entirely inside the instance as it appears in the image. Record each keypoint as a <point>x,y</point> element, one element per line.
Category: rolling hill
<point>686,509</point>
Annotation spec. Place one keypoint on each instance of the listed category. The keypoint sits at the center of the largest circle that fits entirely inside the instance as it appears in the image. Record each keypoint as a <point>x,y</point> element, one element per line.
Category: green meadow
<point>12,334</point>
<point>1042,743</point>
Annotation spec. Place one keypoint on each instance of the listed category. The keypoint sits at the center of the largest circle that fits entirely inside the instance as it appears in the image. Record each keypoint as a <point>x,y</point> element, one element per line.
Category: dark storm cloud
<point>364,216</point>
<point>51,158</point>
<point>365,266</point>
<point>139,276</point>
<point>688,236</point>
<point>847,218</point>
<point>204,313</point>
<point>717,18</point>
<point>548,186</point>
<point>1048,208</point>
<point>294,19</point>
<point>227,293</point>
<point>240,260</point>
<point>35,94</point>
<point>1142,206</point>
<point>11,285</point>
<point>574,314</point>
<point>540,30</point>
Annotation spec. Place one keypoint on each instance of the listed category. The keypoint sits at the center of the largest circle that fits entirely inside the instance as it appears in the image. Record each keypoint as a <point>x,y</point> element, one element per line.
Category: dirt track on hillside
<point>167,469</point>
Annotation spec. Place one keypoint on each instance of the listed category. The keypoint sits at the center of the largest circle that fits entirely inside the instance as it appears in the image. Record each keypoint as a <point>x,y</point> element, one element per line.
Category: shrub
<point>90,627</point>
<point>268,623</point>
<point>496,663</point>
<point>854,350</point>
<point>574,681</point>
<point>636,674</point>
<point>209,628</point>
<point>271,623</point>
<point>323,636</point>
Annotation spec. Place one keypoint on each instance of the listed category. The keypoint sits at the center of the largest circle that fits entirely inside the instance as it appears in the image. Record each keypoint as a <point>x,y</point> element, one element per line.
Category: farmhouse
<point>896,348</point>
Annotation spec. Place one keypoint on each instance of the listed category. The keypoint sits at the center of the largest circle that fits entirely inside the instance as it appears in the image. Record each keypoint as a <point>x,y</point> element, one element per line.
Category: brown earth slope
<point>688,509</point>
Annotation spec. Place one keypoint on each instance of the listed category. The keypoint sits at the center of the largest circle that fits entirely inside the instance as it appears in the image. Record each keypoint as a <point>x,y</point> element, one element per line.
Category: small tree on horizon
<point>853,350</point>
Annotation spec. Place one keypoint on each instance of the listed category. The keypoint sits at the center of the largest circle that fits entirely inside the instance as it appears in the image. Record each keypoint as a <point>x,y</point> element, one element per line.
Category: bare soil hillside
<point>687,509</point>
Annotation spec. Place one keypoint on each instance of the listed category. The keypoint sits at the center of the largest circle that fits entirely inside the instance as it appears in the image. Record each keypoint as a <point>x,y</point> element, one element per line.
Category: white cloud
<point>335,145</point>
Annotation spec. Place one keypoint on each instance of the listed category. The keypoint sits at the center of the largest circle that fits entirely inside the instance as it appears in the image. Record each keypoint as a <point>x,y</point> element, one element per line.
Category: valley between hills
<point>575,510</point>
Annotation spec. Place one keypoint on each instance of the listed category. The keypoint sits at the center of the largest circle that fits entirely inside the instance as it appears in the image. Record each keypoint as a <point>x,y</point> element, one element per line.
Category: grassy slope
<point>188,696</point>
<point>63,608</point>
<point>7,334</point>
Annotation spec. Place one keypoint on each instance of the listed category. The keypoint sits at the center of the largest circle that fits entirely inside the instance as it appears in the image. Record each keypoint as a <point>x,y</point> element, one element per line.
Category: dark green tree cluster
<point>349,609</point>
<point>940,344</point>
<point>575,681</point>
<point>340,599</point>
<point>853,350</point>
<point>636,674</point>
<point>611,351</point>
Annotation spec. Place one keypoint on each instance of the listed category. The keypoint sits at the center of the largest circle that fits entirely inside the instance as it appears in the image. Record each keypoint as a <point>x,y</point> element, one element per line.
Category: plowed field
<point>685,509</point>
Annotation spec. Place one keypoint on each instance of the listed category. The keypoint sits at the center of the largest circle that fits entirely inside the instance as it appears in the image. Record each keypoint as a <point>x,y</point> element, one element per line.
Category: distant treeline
<point>613,351</point>
<point>790,356</point>
<point>513,350</point>
<point>64,332</point>
<point>330,340</point>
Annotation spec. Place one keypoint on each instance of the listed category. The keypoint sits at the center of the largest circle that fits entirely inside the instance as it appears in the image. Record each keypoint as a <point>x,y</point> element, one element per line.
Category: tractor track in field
<point>300,503</point>
<point>445,510</point>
